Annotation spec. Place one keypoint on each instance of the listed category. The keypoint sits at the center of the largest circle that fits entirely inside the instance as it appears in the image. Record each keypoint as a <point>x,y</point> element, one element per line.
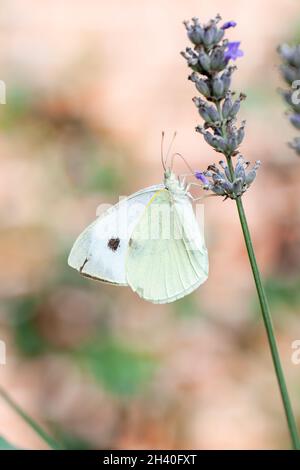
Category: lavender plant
<point>290,71</point>
<point>210,58</point>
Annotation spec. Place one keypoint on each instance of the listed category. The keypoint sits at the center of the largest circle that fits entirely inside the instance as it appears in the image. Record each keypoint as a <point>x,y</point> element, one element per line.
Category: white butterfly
<point>150,241</point>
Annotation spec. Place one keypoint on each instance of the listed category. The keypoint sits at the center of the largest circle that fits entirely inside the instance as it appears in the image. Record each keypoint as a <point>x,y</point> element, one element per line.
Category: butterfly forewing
<point>100,251</point>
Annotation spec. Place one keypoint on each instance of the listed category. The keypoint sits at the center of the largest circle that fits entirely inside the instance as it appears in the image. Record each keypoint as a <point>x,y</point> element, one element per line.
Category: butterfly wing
<point>167,258</point>
<point>100,250</point>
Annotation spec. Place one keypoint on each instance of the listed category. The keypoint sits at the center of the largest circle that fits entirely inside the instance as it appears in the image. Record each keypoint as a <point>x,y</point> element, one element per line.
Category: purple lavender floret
<point>200,176</point>
<point>229,24</point>
<point>232,51</point>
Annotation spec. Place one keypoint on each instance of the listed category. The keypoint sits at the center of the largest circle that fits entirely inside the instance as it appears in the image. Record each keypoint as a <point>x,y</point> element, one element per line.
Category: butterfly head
<point>173,183</point>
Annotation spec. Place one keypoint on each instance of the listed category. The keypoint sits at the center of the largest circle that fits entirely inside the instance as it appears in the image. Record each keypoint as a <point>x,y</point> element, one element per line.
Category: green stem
<point>269,328</point>
<point>36,427</point>
<point>267,321</point>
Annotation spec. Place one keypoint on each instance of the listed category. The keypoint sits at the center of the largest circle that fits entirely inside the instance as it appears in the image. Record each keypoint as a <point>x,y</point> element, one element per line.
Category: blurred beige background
<point>90,87</point>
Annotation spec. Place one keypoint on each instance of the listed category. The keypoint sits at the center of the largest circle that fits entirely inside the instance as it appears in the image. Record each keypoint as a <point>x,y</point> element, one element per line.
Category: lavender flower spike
<point>219,109</point>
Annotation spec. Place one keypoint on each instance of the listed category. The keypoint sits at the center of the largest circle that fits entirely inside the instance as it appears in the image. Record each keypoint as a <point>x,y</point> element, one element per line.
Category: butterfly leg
<point>201,198</point>
<point>194,184</point>
<point>184,175</point>
<point>182,178</point>
<point>194,199</point>
<point>190,195</point>
<point>197,198</point>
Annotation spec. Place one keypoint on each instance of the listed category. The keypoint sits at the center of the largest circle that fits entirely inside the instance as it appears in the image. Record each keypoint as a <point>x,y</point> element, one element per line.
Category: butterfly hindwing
<point>166,257</point>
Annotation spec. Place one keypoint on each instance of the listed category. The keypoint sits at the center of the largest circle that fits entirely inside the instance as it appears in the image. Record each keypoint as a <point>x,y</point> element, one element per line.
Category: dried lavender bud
<point>251,175</point>
<point>290,54</point>
<point>290,70</point>
<point>286,51</point>
<point>239,171</point>
<point>289,97</point>
<point>232,143</point>
<point>235,108</point>
<point>213,114</point>
<point>192,60</point>
<point>226,78</point>
<point>237,187</point>
<point>204,114</point>
<point>226,169</point>
<point>211,140</point>
<point>195,31</point>
<point>209,35</point>
<point>218,61</point>
<point>227,186</point>
<point>219,35</point>
<point>227,105</point>
<point>202,108</point>
<point>204,61</point>
<point>218,88</point>
<point>241,133</point>
<point>295,145</point>
<point>213,168</point>
<point>215,141</point>
<point>201,85</point>
<point>295,120</point>
<point>218,190</point>
<point>290,74</point>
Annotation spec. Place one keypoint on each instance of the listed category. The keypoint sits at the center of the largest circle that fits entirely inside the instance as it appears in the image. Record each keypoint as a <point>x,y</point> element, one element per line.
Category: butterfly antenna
<point>170,146</point>
<point>185,161</point>
<point>162,150</point>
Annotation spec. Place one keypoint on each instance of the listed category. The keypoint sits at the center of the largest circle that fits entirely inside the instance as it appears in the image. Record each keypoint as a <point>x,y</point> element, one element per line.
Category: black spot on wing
<point>113,244</point>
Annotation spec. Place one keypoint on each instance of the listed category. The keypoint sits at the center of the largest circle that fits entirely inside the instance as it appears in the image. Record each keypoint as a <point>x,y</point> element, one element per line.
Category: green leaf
<point>121,369</point>
<point>31,423</point>
<point>4,445</point>
<point>283,292</point>
<point>105,178</point>
<point>187,307</point>
<point>27,336</point>
<point>19,102</point>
